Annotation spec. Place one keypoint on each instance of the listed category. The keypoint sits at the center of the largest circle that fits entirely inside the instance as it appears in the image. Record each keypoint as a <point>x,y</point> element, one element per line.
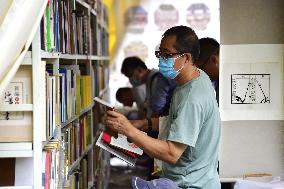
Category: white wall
<point>251,146</point>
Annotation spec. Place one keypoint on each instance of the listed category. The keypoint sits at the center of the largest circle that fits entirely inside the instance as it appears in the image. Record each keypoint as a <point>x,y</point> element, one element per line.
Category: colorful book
<point>115,151</point>
<point>107,138</point>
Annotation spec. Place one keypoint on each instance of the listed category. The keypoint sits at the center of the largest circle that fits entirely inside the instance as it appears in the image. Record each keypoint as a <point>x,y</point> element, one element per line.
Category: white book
<point>43,168</point>
<point>105,103</point>
<point>130,160</point>
<point>122,142</point>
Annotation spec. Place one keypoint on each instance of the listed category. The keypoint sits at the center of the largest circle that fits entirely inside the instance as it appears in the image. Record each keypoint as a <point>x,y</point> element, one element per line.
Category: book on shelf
<point>50,164</point>
<point>86,91</point>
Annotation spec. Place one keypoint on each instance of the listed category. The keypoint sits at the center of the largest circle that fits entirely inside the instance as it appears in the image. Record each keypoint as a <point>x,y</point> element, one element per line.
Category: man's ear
<point>214,59</point>
<point>188,58</point>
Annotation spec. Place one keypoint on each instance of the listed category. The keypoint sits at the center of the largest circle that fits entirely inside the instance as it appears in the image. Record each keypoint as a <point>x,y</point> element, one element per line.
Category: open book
<point>106,104</point>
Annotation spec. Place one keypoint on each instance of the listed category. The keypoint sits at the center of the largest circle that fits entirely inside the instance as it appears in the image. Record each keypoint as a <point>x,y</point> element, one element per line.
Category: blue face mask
<point>166,67</point>
<point>135,82</point>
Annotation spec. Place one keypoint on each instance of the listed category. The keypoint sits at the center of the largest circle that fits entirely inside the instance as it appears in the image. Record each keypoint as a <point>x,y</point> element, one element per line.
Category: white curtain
<point>19,21</point>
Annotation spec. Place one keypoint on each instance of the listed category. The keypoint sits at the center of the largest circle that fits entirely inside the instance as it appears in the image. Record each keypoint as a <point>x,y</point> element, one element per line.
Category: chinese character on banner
<point>12,95</point>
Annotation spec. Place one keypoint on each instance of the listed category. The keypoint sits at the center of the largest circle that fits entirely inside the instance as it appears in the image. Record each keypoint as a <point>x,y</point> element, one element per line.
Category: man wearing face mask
<point>190,140</point>
<point>208,61</point>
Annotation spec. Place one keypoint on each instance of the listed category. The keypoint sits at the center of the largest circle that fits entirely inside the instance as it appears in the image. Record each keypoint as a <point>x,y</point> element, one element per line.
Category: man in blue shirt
<point>190,140</point>
<point>158,88</point>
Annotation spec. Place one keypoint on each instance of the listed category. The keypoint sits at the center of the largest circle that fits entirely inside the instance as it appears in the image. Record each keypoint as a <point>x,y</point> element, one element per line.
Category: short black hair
<point>121,92</point>
<point>131,63</point>
<point>186,40</point>
<point>208,47</point>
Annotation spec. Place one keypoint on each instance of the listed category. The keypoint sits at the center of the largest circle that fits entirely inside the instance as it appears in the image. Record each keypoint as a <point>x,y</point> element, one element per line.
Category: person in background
<point>208,61</point>
<point>126,97</point>
<point>189,148</point>
<point>158,88</point>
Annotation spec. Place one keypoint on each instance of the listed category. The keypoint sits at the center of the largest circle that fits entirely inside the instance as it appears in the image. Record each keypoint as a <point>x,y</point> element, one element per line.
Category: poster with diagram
<point>250,88</point>
<point>251,82</point>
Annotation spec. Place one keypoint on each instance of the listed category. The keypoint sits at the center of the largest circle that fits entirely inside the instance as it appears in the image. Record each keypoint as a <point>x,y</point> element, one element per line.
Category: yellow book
<point>82,91</point>
<point>57,101</point>
<point>89,90</point>
<point>78,94</point>
<point>86,91</point>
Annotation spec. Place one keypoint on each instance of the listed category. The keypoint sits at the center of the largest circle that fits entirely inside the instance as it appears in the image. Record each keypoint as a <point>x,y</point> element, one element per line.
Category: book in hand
<point>119,147</point>
<point>106,104</point>
<point>105,107</point>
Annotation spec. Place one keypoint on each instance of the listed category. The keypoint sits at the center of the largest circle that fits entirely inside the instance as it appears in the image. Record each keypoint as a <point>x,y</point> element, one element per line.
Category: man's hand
<point>118,122</point>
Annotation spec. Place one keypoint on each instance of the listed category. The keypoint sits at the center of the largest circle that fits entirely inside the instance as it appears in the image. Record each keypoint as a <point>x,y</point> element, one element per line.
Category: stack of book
<point>119,147</point>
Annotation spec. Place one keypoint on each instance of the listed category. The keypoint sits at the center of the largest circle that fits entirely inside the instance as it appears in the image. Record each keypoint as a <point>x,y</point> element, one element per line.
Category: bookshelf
<point>66,67</point>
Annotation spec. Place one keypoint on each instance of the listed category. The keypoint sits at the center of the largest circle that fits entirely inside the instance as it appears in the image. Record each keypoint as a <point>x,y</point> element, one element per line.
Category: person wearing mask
<point>208,61</point>
<point>158,88</point>
<point>189,148</point>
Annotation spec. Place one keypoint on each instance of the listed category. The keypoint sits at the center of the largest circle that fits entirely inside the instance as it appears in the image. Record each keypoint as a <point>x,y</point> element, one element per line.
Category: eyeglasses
<point>166,55</point>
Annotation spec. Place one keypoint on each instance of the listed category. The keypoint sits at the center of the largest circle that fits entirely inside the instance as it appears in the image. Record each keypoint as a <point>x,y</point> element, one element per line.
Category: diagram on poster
<point>251,82</point>
<point>250,88</point>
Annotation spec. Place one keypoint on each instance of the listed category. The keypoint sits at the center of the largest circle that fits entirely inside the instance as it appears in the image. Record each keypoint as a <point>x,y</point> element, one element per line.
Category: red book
<point>47,170</point>
<point>107,139</point>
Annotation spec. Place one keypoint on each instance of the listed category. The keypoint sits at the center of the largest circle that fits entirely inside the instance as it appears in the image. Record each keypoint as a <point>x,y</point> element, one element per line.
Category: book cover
<point>115,151</point>
<point>107,138</point>
<point>122,142</point>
